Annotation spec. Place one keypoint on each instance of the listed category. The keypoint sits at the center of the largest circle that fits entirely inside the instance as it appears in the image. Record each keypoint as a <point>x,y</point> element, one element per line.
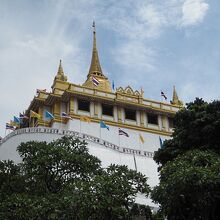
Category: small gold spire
<point>176,100</point>
<point>60,69</point>
<point>60,73</point>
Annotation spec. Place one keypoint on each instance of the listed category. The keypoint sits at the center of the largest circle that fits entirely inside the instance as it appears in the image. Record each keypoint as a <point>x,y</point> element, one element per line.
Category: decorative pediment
<point>129,91</point>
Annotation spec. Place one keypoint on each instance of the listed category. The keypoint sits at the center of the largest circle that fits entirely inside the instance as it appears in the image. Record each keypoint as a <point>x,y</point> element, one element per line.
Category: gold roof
<point>95,70</point>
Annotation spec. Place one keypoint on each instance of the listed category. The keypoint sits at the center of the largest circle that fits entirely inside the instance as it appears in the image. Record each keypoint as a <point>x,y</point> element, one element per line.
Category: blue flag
<point>161,143</point>
<point>113,85</point>
<point>17,120</point>
<point>48,115</point>
<point>103,125</point>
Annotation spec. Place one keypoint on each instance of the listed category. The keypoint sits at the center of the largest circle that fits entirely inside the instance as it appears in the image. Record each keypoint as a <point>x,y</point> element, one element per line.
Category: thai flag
<point>40,90</point>
<point>22,116</point>
<point>8,126</point>
<point>95,81</point>
<point>65,115</point>
<point>163,95</point>
<point>121,132</point>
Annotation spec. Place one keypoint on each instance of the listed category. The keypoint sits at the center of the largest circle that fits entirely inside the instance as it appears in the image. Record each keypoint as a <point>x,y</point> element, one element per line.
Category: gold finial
<point>95,70</point>
<point>60,73</point>
<point>142,91</point>
<point>93,25</point>
<point>60,69</point>
<point>95,67</point>
<point>176,100</point>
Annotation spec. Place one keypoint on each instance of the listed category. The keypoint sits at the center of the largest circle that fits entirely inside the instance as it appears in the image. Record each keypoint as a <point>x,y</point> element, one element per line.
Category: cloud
<point>134,56</point>
<point>193,12</point>
<point>34,36</point>
<point>152,18</point>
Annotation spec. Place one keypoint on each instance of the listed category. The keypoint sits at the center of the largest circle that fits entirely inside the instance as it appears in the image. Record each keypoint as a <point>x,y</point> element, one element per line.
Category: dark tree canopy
<point>61,180</point>
<point>190,186</point>
<point>190,165</point>
<point>195,127</point>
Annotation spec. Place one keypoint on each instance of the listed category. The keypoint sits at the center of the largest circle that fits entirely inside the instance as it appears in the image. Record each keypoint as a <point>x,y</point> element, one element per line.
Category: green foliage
<point>190,186</point>
<point>195,127</point>
<point>61,180</point>
<point>143,211</point>
<point>190,165</point>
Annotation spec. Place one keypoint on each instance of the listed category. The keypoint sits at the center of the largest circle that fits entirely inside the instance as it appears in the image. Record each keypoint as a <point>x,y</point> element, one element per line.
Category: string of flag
<point>48,115</point>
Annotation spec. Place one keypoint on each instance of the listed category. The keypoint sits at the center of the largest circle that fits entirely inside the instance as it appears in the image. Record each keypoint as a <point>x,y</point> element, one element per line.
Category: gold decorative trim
<point>133,127</point>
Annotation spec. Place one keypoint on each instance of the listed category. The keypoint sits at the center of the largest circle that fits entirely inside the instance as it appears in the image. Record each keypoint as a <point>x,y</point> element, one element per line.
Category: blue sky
<point>153,44</point>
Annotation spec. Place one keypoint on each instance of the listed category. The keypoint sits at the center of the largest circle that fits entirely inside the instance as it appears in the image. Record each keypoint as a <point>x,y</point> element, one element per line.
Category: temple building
<point>120,125</point>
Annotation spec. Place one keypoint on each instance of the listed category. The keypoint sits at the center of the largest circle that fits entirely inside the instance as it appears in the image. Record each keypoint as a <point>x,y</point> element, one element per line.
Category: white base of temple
<point>107,152</point>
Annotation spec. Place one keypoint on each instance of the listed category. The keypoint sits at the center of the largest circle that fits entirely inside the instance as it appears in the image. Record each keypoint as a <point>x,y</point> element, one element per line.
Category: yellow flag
<point>34,115</point>
<point>12,123</point>
<point>141,138</point>
<point>85,118</point>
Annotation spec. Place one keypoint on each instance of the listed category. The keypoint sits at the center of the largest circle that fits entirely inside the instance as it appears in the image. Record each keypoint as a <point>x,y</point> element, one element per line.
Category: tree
<point>61,180</point>
<point>195,127</point>
<point>190,164</point>
<point>190,186</point>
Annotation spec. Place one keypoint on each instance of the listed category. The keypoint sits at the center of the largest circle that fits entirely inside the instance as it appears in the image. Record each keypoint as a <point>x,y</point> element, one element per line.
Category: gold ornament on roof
<point>129,91</point>
<point>175,100</point>
<point>60,73</point>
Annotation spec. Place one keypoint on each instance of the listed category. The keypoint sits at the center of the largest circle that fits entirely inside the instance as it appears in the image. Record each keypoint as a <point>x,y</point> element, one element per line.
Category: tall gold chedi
<point>176,100</point>
<point>95,70</point>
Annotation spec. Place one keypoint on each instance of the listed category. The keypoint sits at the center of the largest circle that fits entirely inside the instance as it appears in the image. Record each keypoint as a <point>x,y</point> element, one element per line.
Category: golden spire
<point>176,100</point>
<point>95,67</point>
<point>60,74</point>
<point>95,70</point>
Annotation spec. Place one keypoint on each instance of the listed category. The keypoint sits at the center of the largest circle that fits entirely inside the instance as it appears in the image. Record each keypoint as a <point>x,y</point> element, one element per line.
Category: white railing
<point>82,136</point>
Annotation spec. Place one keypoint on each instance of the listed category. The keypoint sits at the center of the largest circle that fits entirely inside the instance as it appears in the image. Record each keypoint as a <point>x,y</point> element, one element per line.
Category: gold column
<point>119,114</point>
<point>56,109</point>
<point>71,106</point>
<point>163,120</point>
<point>41,111</point>
<point>96,109</point>
<point>142,118</point>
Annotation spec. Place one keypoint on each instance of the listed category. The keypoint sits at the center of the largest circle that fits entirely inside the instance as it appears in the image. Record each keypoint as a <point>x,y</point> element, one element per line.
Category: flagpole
<point>135,163</point>
<point>29,122</point>
<point>61,121</point>
<point>100,131</point>
<point>119,140</point>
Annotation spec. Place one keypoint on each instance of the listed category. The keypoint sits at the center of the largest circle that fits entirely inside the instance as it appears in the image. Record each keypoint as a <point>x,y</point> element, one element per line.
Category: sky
<point>149,44</point>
